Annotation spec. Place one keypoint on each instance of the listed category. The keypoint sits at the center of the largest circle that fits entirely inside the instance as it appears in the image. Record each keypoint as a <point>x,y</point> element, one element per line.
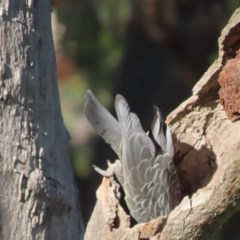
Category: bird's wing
<point>106,125</point>
<point>161,133</point>
<point>160,191</point>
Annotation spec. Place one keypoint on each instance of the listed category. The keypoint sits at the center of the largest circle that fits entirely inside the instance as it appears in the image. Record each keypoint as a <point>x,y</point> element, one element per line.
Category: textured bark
<point>207,155</point>
<point>38,195</point>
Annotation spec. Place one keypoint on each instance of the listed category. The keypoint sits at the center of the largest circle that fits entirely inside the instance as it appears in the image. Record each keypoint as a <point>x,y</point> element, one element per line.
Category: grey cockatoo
<point>148,175</point>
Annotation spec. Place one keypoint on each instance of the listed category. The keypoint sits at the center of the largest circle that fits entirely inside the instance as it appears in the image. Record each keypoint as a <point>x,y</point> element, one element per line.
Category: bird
<point>147,172</point>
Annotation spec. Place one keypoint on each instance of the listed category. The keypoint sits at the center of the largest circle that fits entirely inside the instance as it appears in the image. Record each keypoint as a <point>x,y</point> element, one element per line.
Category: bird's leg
<point>114,169</point>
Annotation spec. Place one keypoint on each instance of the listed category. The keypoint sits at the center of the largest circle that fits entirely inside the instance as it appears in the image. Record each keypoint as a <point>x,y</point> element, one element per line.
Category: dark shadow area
<point>195,167</point>
<point>231,229</point>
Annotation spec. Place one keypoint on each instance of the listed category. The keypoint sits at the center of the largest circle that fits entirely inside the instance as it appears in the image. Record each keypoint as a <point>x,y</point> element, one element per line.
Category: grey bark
<point>38,197</point>
<point>207,152</point>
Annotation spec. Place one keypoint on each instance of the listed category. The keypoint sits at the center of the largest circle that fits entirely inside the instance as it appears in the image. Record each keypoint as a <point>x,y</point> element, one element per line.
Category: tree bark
<point>38,195</point>
<point>207,156</point>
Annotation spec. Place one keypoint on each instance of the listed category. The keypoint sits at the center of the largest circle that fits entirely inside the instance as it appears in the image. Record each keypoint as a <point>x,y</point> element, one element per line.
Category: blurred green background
<point>150,51</point>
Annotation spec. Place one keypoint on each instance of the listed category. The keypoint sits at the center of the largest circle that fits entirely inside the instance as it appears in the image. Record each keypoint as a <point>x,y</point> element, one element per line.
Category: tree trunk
<point>38,195</point>
<point>207,156</point>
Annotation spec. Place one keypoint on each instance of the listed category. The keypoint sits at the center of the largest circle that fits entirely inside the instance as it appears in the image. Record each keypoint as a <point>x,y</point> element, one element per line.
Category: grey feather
<point>106,125</point>
<point>150,181</point>
<point>161,137</point>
